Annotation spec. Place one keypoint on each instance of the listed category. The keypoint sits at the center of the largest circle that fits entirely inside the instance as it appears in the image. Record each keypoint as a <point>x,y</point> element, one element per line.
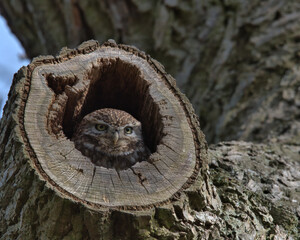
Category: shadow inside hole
<point>118,84</point>
<point>112,84</point>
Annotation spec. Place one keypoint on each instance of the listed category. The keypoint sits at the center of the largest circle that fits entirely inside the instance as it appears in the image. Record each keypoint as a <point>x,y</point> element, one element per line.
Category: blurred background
<point>12,57</point>
<point>236,61</point>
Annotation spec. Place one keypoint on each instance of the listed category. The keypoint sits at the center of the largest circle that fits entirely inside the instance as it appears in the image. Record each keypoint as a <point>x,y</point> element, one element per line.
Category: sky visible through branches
<point>11,60</point>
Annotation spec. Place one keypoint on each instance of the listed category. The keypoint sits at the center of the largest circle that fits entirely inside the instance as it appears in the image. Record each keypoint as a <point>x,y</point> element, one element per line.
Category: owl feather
<point>111,138</point>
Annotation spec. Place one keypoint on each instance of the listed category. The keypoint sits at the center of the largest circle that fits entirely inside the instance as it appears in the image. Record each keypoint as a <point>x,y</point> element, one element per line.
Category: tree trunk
<point>76,83</point>
<point>157,195</point>
<point>237,61</point>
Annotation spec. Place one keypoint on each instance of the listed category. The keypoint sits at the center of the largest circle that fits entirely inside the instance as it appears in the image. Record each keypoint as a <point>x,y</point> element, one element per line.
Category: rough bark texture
<point>238,63</point>
<point>30,209</point>
<point>269,170</point>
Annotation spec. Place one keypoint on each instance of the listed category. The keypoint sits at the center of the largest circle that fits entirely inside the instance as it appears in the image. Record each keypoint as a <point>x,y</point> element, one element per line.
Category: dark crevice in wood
<point>59,83</point>
<point>94,172</point>
<point>171,149</point>
<point>141,178</point>
<point>112,180</point>
<point>161,173</point>
<point>4,141</point>
<point>179,212</point>
<point>118,173</point>
<point>131,182</point>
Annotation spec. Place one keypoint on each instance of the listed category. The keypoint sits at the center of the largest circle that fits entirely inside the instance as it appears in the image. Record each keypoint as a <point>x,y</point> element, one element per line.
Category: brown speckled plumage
<point>113,147</point>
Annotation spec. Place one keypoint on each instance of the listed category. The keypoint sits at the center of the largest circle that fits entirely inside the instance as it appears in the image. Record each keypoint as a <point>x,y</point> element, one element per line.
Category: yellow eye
<point>128,130</point>
<point>101,127</point>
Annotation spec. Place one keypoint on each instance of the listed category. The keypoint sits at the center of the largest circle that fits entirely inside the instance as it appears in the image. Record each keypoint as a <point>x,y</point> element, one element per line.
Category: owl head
<point>110,131</point>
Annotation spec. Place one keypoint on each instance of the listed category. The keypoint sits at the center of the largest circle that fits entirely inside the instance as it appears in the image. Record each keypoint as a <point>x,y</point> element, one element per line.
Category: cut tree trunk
<point>50,191</point>
<point>55,93</point>
<point>76,83</point>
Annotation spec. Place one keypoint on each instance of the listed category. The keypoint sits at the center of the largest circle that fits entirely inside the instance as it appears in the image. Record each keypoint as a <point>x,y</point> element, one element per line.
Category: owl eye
<point>128,130</point>
<point>101,127</point>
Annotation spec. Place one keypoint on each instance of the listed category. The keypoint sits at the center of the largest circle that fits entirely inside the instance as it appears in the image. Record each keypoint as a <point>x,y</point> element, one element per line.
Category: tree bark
<point>237,61</point>
<point>39,162</point>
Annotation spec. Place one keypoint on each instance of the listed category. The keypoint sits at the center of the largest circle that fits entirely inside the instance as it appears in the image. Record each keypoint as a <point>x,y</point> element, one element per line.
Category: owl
<point>111,138</point>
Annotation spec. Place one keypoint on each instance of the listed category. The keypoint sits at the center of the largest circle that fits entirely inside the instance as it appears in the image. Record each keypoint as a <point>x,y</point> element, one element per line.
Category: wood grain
<point>66,88</point>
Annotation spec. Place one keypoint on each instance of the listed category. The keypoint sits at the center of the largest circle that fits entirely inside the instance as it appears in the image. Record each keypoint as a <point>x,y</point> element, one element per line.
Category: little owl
<point>111,138</point>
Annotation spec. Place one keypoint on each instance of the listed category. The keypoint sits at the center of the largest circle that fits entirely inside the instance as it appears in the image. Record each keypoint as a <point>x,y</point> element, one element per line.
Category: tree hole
<point>109,83</point>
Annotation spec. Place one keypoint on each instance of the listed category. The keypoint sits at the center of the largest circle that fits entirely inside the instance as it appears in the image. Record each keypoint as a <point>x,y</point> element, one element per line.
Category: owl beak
<point>116,137</point>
